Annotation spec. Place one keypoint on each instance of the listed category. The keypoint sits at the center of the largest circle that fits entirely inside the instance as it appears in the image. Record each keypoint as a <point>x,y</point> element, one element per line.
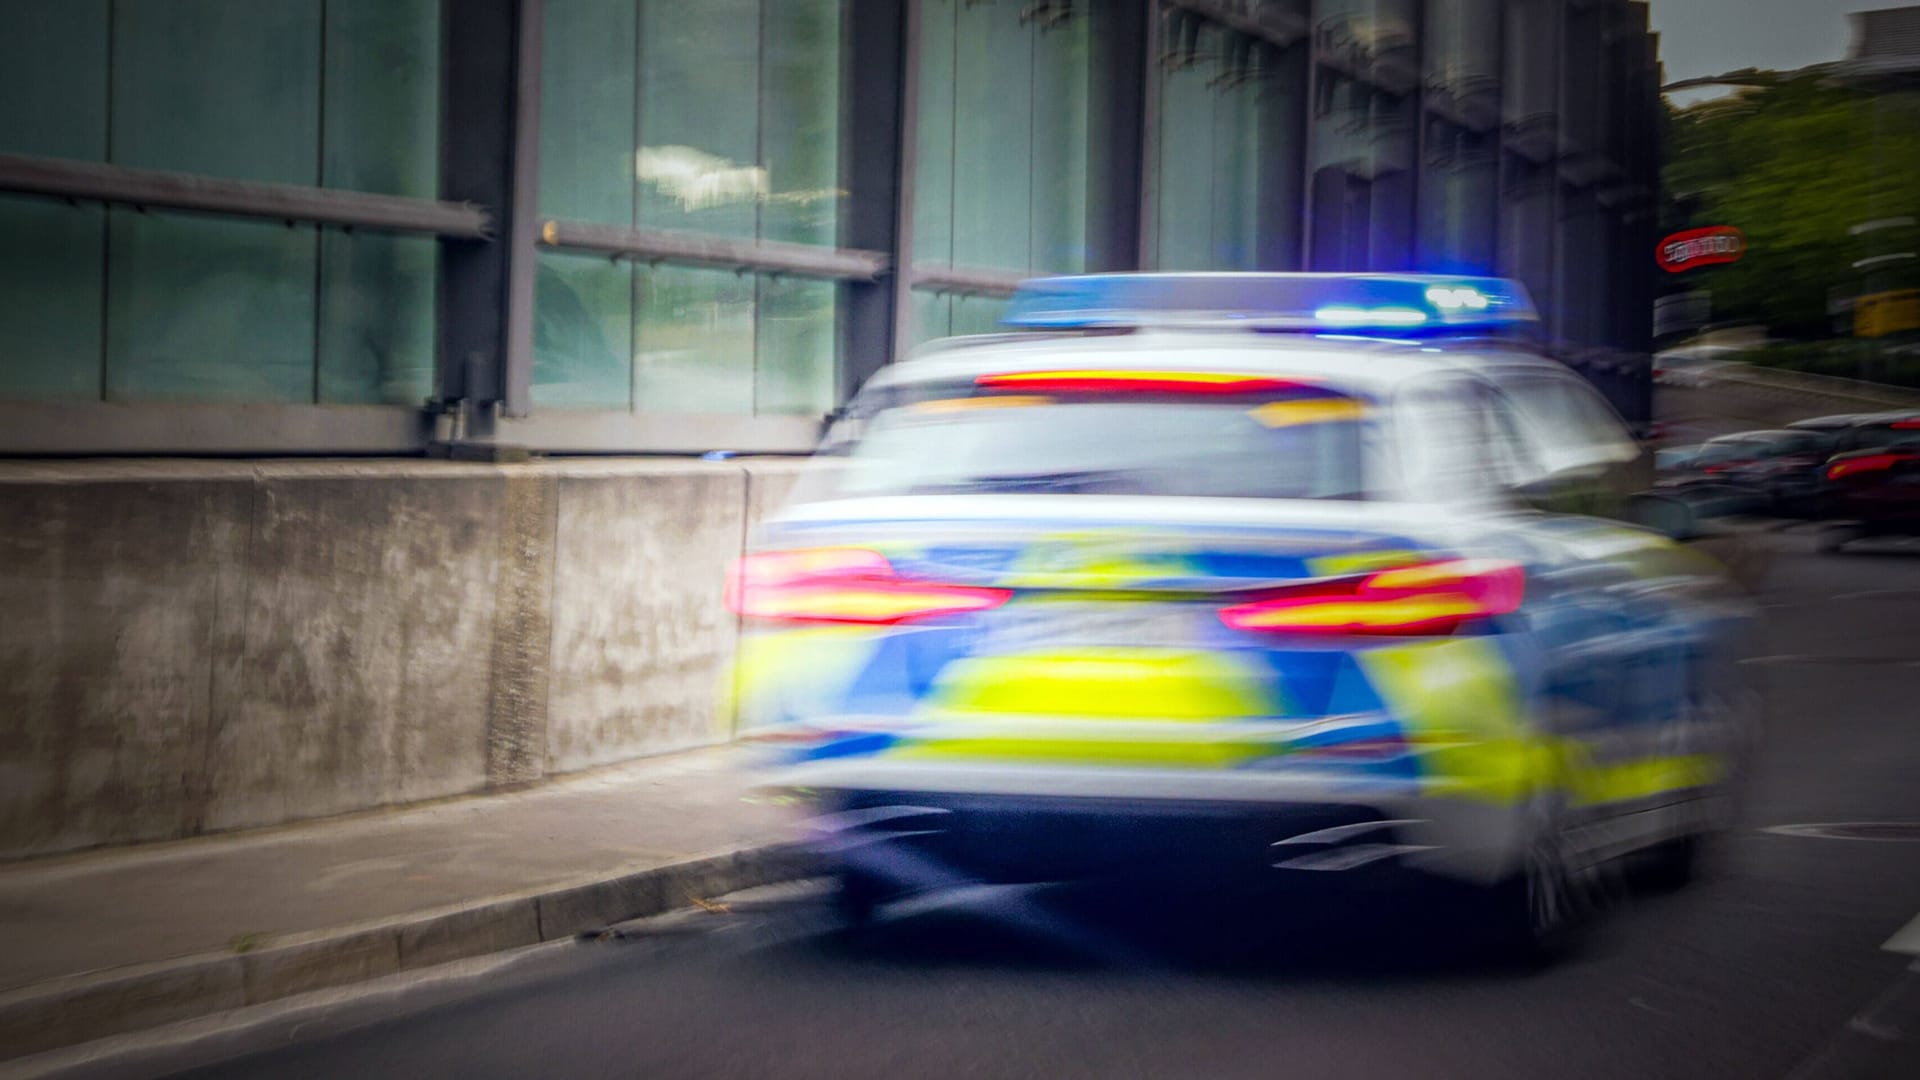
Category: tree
<point>1794,165</point>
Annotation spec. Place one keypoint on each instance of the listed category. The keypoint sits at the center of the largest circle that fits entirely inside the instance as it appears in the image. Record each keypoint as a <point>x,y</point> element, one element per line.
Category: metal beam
<point>63,429</point>
<point>156,189</point>
<point>761,256</point>
<point>906,176</point>
<point>873,73</point>
<point>596,431</point>
<point>1120,78</point>
<point>972,281</point>
<point>489,143</point>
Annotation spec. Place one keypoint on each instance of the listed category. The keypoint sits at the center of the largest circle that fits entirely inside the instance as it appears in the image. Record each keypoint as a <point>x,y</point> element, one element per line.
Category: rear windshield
<point>1888,437</point>
<point>1272,449</point>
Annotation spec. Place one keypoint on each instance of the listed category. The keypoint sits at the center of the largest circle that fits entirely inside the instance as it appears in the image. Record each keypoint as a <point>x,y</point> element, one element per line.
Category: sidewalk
<point>118,940</point>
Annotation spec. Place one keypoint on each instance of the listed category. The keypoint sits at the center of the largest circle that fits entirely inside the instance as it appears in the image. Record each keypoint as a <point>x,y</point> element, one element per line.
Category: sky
<point>1708,37</point>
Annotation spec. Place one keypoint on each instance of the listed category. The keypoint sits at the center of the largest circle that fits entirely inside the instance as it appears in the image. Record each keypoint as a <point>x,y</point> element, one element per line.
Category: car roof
<point>1370,366</point>
<point>1818,422</point>
<point>1770,434</point>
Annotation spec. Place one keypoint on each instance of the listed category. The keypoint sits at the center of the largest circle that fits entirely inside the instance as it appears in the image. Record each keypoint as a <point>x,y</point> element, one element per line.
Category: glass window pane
<point>1236,163</point>
<point>586,111</point>
<point>1060,57</point>
<point>53,79</point>
<point>933,170</point>
<point>695,341</point>
<point>381,118</point>
<point>582,331</point>
<point>800,121</point>
<point>993,137</point>
<point>1184,219</point>
<point>201,308</point>
<point>978,314</point>
<point>211,86</point>
<point>932,315</point>
<point>376,318</point>
<point>797,374</point>
<point>698,161</point>
<point>382,96</point>
<point>1208,211</point>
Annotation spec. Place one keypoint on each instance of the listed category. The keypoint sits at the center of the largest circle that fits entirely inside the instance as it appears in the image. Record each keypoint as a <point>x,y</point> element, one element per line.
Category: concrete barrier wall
<point>196,646</point>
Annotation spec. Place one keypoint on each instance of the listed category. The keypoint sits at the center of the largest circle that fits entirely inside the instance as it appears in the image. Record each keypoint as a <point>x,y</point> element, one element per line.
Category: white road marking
<point>1906,939</point>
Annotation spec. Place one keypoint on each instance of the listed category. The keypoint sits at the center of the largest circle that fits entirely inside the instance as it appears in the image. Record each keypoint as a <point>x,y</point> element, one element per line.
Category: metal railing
<point>759,256</point>
<point>158,189</point>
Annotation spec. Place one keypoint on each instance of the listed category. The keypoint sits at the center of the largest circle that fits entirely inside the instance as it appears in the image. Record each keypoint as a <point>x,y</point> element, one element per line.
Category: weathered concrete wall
<point>110,616</point>
<point>365,645</point>
<point>195,646</point>
<point>638,565</point>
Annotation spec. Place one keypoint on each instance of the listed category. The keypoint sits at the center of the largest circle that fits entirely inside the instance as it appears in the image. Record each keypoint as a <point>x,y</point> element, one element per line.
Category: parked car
<point>1691,366</point>
<point>1779,468</point>
<point>1831,429</point>
<point>1873,482</point>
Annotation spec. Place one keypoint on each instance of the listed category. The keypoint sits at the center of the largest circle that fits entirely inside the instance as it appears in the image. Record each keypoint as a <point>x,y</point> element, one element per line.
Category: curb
<point>75,1009</point>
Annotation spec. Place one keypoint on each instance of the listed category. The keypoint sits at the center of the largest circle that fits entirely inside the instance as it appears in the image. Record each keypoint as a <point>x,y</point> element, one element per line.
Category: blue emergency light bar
<point>1404,304</point>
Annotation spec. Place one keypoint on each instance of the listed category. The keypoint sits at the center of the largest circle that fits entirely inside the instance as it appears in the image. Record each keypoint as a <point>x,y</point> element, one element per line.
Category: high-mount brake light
<point>1427,598</point>
<point>1122,381</point>
<point>1420,303</point>
<point>844,585</point>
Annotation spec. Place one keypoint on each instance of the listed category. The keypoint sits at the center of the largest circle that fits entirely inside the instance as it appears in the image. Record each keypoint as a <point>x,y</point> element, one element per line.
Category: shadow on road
<point>1415,932</point>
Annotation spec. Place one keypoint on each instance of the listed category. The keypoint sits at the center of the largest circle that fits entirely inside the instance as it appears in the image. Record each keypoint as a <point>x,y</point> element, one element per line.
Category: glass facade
<point>719,118</point>
<point>1047,136</point>
<point>1366,97</point>
<point>1206,210</point>
<point>1000,180</point>
<point>123,305</point>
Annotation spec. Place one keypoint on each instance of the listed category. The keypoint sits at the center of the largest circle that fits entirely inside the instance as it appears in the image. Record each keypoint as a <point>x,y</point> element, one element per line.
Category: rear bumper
<point>1010,824</point>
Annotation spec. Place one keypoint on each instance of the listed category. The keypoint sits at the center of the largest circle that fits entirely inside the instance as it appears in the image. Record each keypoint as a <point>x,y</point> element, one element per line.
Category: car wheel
<point>1667,866</point>
<point>1535,914</point>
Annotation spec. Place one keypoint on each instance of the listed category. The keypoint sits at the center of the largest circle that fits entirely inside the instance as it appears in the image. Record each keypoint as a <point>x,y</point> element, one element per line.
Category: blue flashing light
<point>1403,303</point>
<point>1359,316</point>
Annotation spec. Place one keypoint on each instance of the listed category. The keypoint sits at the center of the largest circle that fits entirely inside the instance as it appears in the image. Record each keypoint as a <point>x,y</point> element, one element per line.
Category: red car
<point>1873,482</point>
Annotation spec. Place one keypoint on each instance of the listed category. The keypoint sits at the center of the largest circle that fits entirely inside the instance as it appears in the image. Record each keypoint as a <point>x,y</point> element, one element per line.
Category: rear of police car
<point>1152,587</point>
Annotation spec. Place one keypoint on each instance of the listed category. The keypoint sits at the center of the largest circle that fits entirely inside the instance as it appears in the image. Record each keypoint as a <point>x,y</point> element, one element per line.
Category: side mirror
<point>1668,516</point>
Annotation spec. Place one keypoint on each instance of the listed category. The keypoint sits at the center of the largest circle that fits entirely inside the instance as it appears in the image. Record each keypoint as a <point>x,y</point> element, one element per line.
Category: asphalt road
<point>1771,966</point>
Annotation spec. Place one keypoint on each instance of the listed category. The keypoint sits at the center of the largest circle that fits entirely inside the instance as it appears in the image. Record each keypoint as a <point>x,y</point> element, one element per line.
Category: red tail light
<point>1430,598</point>
<point>1129,381</point>
<point>844,585</point>
<point>1865,463</point>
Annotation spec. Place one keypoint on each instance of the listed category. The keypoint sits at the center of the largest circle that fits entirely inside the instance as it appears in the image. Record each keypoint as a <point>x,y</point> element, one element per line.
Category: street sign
<point>1689,248</point>
<point>1881,314</point>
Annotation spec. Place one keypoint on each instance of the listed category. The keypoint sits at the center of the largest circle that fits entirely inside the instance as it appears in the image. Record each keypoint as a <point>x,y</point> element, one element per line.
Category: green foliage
<point>1793,165</point>
<point>1843,358</point>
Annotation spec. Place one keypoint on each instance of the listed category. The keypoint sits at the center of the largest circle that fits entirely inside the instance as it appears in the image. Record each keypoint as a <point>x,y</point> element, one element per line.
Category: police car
<point>1296,574</point>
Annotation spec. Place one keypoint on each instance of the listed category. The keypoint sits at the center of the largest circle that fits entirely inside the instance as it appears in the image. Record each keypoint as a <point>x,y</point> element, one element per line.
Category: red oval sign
<point>1700,247</point>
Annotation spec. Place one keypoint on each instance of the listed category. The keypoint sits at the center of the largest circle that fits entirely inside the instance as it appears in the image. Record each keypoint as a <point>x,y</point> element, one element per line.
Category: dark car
<point>1831,429</point>
<point>1780,469</point>
<point>1873,482</point>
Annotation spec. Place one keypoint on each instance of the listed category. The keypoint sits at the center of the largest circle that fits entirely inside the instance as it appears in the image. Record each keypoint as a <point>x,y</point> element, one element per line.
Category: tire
<point>1668,866</point>
<point>1534,917</point>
